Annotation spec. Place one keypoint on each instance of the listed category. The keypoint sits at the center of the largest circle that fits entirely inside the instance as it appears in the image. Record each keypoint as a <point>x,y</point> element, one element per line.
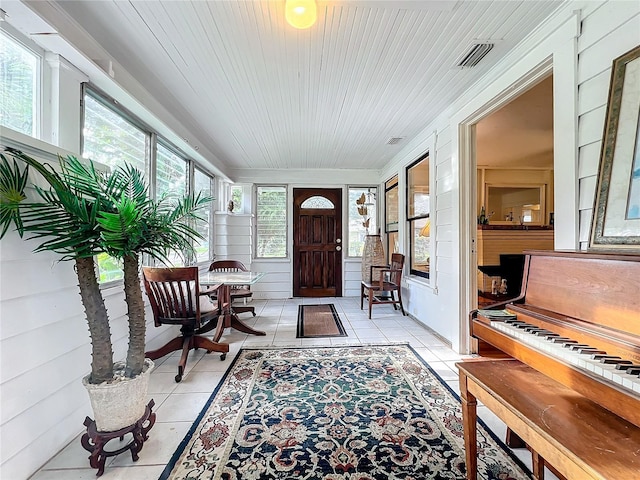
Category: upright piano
<point>577,321</point>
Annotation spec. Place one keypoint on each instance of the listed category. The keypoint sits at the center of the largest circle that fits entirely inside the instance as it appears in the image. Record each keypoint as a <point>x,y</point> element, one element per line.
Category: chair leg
<point>400,302</point>
<point>361,295</point>
<point>186,347</point>
<point>371,295</point>
<point>172,346</point>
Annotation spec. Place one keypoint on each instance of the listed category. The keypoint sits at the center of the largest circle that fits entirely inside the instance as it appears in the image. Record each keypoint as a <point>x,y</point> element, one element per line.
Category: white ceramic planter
<point>122,402</point>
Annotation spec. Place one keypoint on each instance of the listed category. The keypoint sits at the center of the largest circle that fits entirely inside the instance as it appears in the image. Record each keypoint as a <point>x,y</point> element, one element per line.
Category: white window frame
<point>38,109</point>
<point>286,222</point>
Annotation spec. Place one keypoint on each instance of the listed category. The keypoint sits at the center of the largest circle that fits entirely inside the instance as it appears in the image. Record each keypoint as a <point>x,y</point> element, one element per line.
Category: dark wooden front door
<point>317,242</point>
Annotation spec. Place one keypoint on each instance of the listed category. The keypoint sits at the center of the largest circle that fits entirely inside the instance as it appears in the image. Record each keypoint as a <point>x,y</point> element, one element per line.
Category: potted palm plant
<point>85,212</point>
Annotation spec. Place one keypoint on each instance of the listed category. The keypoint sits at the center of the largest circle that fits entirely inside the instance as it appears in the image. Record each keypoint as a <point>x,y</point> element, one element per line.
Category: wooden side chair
<point>175,297</point>
<point>382,288</point>
<point>237,291</point>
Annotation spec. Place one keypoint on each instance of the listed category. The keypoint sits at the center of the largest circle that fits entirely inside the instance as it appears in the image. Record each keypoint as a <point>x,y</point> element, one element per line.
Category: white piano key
<point>584,361</point>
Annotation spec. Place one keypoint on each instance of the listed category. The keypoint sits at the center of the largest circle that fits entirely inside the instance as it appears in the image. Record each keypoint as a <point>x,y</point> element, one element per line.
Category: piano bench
<point>575,435</point>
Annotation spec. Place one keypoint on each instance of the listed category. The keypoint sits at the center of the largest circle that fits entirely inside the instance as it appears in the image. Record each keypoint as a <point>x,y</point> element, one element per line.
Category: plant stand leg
<point>94,441</point>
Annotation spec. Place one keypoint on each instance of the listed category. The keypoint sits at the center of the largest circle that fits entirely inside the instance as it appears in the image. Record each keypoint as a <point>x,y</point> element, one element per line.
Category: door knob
<point>338,248</point>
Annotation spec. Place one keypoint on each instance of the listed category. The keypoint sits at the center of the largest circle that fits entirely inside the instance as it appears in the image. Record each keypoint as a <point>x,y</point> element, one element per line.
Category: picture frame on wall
<point>616,215</point>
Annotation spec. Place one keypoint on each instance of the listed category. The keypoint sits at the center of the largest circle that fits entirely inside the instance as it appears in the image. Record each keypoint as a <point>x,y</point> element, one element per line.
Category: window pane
<point>19,79</point>
<point>391,204</point>
<point>361,214</point>
<point>202,184</point>
<point>236,198</point>
<point>271,222</point>
<point>420,243</point>
<point>418,189</point>
<point>171,173</point>
<point>110,139</point>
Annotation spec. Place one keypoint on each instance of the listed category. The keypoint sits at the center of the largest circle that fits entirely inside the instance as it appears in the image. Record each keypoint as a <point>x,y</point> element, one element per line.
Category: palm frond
<point>12,192</point>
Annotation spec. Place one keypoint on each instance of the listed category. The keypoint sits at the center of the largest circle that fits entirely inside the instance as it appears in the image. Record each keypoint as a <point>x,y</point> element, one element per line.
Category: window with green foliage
<point>20,78</point>
<point>171,172</point>
<point>237,198</point>
<point>418,211</point>
<point>362,217</point>
<point>111,139</point>
<point>271,222</point>
<point>202,184</point>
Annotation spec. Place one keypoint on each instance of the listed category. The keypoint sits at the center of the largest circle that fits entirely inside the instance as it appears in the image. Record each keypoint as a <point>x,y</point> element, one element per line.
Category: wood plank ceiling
<point>260,94</point>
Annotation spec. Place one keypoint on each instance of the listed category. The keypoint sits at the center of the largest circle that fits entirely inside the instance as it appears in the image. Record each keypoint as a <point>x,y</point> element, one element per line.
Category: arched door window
<point>317,202</point>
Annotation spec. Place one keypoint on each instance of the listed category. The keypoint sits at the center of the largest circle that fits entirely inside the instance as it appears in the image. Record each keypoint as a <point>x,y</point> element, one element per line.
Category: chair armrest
<point>209,289</point>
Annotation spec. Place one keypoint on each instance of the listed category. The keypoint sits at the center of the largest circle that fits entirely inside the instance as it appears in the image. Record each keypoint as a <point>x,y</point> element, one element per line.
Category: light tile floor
<point>178,404</point>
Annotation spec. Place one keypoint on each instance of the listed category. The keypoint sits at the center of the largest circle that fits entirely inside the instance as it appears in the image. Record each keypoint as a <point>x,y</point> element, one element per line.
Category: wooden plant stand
<point>94,441</point>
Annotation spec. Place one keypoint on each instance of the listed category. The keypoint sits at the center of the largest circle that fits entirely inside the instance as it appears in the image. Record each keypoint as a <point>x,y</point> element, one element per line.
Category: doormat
<point>318,321</point>
<point>334,413</point>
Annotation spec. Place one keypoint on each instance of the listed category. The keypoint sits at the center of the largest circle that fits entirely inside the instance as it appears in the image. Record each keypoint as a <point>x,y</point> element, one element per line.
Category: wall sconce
<point>301,13</point>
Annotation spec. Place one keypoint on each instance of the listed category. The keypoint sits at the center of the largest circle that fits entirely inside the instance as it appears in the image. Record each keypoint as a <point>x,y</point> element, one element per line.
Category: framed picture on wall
<point>616,215</point>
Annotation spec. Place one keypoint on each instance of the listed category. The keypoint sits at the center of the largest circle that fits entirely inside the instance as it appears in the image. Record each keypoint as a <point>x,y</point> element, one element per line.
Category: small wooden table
<point>226,280</point>
<point>578,437</point>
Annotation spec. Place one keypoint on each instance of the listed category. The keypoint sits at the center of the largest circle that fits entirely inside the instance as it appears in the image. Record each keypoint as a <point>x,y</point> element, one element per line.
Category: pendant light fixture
<point>300,13</point>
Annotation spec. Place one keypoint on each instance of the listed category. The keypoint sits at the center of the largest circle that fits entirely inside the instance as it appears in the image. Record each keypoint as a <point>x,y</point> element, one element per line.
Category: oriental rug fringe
<point>334,413</point>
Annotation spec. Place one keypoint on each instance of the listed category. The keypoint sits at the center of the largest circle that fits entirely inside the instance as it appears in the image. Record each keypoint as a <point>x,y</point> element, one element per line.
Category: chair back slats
<point>397,265</point>
<point>172,294</point>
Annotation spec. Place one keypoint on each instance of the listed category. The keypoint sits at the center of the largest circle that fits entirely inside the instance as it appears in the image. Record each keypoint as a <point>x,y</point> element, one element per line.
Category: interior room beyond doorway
<point>515,183</point>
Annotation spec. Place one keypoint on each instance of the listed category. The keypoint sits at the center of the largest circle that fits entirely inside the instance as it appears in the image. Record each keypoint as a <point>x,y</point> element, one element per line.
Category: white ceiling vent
<point>394,140</point>
<point>476,53</point>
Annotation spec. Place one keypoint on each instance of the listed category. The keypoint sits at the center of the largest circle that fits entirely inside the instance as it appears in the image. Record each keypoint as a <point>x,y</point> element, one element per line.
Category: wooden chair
<point>174,294</point>
<point>388,282</point>
<point>237,291</point>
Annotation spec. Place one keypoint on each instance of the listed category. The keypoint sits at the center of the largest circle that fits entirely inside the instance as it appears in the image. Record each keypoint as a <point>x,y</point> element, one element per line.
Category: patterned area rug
<point>316,321</point>
<point>349,413</point>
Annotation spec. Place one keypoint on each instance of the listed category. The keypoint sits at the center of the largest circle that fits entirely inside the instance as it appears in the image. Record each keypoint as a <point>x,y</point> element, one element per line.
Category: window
<point>271,222</point>
<point>110,139</point>
<point>418,216</point>
<point>237,194</point>
<point>362,211</point>
<point>391,216</point>
<point>171,173</point>
<point>202,184</point>
<point>20,79</point>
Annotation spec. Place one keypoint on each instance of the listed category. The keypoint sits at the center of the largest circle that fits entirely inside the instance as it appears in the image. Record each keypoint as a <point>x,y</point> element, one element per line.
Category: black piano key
<point>634,370</point>
<point>615,361</point>
<point>600,356</point>
<point>543,333</point>
<point>577,346</point>
<point>532,329</point>
<point>589,351</point>
<point>563,340</point>
<point>625,366</point>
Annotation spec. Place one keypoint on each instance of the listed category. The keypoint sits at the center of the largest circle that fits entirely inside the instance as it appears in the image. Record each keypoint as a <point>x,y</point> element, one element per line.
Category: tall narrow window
<point>271,222</point>
<point>237,194</point>
<point>202,184</point>
<point>418,210</point>
<point>362,217</point>
<point>391,215</point>
<point>19,77</point>
<point>171,173</point>
<point>111,139</point>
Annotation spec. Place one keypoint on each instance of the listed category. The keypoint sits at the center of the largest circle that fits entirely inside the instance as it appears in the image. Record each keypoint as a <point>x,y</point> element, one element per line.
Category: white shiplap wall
<point>608,31</point>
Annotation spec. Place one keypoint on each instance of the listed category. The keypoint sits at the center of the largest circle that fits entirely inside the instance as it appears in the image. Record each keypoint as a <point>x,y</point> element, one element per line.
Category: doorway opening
<point>514,199</point>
